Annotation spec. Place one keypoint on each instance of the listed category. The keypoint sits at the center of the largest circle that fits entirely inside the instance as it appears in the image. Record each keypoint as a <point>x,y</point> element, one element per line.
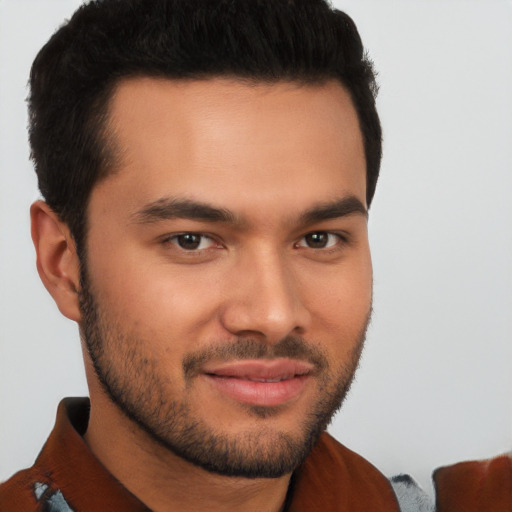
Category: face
<point>227,287</point>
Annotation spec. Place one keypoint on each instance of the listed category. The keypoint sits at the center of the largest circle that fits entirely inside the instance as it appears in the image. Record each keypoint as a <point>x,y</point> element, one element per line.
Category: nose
<point>263,299</point>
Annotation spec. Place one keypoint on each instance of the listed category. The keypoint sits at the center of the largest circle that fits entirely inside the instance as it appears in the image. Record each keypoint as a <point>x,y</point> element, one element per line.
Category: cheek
<point>153,301</point>
<point>340,300</point>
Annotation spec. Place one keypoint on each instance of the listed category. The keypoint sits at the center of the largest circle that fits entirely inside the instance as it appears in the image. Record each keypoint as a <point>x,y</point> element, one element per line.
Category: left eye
<point>192,241</point>
<point>319,240</point>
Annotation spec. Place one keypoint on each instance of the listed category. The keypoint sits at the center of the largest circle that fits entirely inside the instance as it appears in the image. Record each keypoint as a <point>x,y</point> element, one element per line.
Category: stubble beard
<point>135,384</point>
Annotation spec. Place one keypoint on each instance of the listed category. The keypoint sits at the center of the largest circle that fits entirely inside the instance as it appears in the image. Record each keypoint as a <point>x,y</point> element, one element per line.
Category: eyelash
<point>173,239</point>
<point>341,240</point>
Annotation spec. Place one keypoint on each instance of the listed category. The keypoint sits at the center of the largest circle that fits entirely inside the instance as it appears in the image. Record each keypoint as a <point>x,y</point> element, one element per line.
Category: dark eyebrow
<point>170,208</point>
<point>339,208</point>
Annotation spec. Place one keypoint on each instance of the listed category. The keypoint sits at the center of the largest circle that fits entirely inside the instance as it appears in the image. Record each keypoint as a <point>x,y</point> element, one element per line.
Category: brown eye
<point>189,241</point>
<point>319,240</point>
<point>192,241</point>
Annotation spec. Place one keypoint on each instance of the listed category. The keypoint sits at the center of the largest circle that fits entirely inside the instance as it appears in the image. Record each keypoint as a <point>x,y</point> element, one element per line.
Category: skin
<point>267,154</point>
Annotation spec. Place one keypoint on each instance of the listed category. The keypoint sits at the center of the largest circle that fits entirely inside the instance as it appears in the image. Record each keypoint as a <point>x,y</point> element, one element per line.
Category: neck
<point>165,482</point>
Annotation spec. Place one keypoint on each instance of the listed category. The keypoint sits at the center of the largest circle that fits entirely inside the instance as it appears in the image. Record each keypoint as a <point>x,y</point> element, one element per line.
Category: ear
<point>57,260</point>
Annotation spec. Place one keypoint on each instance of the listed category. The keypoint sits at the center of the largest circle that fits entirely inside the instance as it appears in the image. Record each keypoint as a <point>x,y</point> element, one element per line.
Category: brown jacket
<point>477,486</point>
<point>67,477</point>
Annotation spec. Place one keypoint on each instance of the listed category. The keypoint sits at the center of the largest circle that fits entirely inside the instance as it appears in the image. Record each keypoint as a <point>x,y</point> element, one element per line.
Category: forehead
<point>226,140</point>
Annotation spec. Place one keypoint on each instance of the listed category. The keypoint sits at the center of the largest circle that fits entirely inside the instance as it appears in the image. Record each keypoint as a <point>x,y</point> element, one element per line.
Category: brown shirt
<point>476,486</point>
<point>67,477</point>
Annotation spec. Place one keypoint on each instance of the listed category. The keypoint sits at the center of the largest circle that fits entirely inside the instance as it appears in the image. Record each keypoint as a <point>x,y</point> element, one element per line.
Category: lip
<point>260,382</point>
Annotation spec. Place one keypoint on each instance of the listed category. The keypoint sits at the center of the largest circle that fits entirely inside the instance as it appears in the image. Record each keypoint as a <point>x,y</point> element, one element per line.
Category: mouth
<point>260,382</point>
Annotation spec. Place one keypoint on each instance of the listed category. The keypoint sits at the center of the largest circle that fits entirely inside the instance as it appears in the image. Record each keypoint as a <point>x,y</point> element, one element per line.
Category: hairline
<point>105,134</point>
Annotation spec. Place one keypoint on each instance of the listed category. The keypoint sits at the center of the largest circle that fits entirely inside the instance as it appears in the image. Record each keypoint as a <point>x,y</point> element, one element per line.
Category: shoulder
<point>334,477</point>
<point>18,494</point>
<point>475,485</point>
<point>29,491</point>
<point>34,489</point>
<point>329,453</point>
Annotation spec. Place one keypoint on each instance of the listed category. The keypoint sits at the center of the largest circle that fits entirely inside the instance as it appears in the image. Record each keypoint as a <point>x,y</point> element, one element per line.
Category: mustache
<point>292,347</point>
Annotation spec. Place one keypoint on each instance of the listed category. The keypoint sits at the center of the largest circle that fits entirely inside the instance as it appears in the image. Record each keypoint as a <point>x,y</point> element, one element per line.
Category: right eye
<point>191,241</point>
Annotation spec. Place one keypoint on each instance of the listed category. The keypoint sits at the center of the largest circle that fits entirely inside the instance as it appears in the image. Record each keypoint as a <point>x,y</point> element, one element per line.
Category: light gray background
<point>435,385</point>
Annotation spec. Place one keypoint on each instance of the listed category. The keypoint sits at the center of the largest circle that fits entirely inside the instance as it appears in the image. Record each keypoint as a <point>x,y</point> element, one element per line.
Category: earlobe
<point>57,261</point>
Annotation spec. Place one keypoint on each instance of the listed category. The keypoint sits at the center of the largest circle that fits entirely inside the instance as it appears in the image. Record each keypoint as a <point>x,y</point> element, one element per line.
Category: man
<point>207,172</point>
<point>207,169</point>
<point>188,390</point>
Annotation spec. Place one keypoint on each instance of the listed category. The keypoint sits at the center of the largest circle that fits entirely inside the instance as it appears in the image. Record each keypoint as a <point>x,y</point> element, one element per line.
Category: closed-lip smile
<point>259,382</point>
